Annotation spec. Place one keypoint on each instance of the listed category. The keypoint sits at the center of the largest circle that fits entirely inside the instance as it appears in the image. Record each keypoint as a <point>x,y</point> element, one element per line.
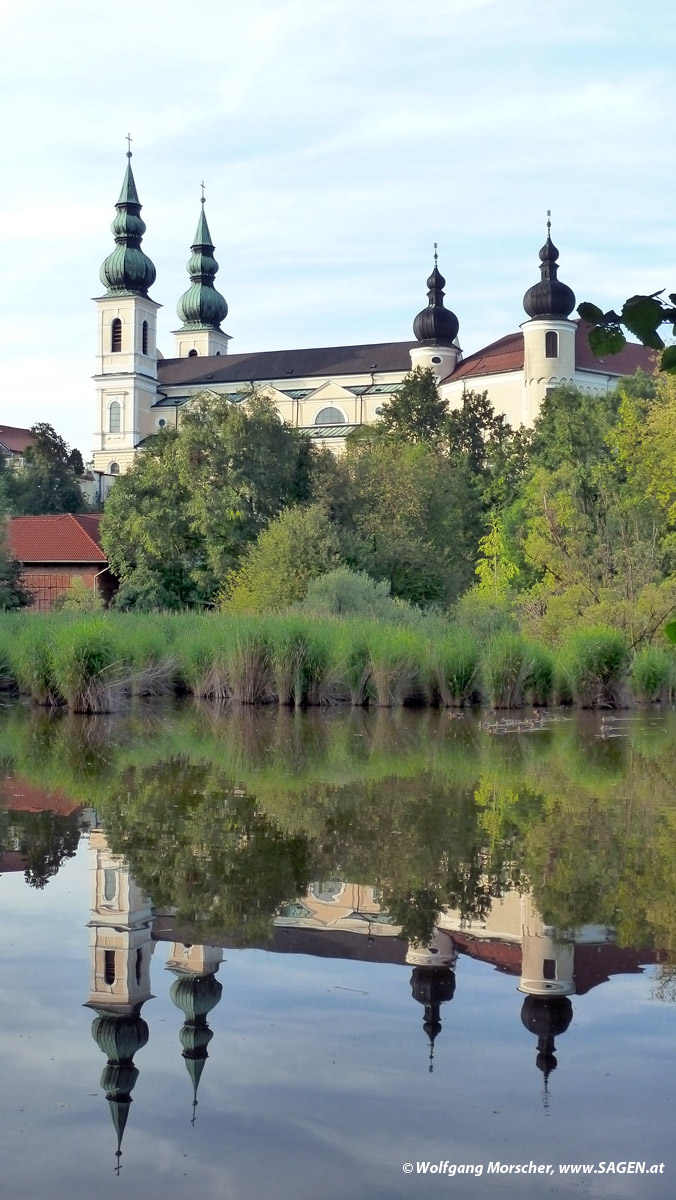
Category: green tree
<point>641,316</point>
<point>196,498</point>
<point>416,412</point>
<point>296,547</point>
<point>48,483</point>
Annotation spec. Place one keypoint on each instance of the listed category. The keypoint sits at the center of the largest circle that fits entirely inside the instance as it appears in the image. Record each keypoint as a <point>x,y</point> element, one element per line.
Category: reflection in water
<point>196,991</point>
<point>379,840</point>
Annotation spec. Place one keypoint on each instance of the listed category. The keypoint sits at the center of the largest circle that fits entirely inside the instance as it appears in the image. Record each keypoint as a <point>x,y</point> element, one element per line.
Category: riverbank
<point>94,663</point>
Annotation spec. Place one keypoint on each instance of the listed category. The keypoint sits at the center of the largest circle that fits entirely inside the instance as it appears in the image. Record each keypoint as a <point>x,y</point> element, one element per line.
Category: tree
<point>48,483</point>
<point>640,315</point>
<point>296,547</point>
<point>196,498</point>
<point>416,412</point>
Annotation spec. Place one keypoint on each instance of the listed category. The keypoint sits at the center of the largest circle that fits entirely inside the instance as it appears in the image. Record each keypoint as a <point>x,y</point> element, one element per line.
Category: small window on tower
<point>109,967</point>
<point>114,469</point>
<point>116,336</point>
<point>192,354</point>
<point>114,417</point>
<point>548,968</point>
<point>551,344</point>
<point>144,338</point>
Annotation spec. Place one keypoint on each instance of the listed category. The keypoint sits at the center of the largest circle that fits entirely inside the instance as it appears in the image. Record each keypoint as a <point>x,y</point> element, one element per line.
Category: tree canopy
<point>48,483</point>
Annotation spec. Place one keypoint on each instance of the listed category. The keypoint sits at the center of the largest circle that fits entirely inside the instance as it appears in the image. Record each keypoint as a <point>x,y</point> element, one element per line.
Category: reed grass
<point>89,661</point>
<point>593,666</point>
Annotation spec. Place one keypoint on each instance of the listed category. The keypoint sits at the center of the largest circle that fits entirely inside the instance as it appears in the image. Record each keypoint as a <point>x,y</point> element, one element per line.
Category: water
<point>313,948</point>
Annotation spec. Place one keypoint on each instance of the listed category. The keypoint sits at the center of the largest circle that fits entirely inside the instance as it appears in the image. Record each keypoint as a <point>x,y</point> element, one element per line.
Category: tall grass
<point>89,662</point>
<point>593,666</point>
<point>652,675</point>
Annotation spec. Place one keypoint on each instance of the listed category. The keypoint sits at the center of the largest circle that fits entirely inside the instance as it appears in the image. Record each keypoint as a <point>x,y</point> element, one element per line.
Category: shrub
<point>593,666</point>
<point>87,666</point>
<point>515,671</point>
<point>652,674</point>
<point>455,668</point>
<point>79,598</point>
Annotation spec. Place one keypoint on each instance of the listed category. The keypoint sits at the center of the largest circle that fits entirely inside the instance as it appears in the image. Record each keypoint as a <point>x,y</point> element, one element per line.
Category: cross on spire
<point>129,141</point>
<point>549,221</point>
<point>436,256</point>
<point>203,200</point>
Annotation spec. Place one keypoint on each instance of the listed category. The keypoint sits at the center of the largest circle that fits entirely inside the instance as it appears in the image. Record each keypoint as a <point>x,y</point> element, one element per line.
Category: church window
<point>109,885</point>
<point>114,417</point>
<point>548,968</point>
<point>330,416</point>
<point>144,338</point>
<point>116,335</point>
<point>109,967</point>
<point>139,965</point>
<point>114,469</point>
<point>551,344</point>
<point>192,354</point>
<point>435,359</point>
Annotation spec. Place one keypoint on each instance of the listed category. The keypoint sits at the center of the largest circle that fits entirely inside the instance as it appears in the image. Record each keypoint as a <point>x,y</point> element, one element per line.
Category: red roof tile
<point>507,355</point>
<point>67,538</point>
<point>16,795</point>
<point>15,439</point>
<point>504,355</point>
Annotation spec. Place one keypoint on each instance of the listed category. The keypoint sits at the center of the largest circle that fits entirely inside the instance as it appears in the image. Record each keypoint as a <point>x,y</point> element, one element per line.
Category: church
<point>325,391</point>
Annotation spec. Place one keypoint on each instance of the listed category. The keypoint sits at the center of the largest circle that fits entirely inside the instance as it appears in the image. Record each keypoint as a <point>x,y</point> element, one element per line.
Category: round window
<point>161,423</point>
<point>435,359</point>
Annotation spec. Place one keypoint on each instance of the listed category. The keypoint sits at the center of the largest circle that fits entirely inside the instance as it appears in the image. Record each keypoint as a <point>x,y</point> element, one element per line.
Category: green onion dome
<point>196,995</point>
<point>127,271</point>
<point>202,307</point>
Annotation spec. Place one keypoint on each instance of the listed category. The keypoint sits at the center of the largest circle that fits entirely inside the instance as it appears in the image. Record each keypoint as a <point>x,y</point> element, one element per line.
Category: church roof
<point>68,537</point>
<point>14,439</point>
<point>285,364</point>
<point>507,355</point>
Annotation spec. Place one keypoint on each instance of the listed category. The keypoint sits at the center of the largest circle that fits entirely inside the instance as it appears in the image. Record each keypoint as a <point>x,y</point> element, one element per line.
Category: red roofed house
<point>325,390</point>
<point>13,443</point>
<point>55,550</point>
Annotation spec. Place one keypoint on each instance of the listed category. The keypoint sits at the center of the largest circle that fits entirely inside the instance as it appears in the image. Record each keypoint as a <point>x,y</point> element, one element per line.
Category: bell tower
<point>201,308</point>
<point>126,356</point>
<point>549,335</point>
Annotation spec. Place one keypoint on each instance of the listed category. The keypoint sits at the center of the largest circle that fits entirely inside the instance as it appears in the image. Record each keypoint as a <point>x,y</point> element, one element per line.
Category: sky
<point>338,140</point>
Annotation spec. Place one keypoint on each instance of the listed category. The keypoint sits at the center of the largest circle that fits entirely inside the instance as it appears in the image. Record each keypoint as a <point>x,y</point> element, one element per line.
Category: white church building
<point>325,391</point>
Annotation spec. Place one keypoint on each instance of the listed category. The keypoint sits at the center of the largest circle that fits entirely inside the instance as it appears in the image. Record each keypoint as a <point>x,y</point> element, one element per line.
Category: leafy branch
<point>642,316</point>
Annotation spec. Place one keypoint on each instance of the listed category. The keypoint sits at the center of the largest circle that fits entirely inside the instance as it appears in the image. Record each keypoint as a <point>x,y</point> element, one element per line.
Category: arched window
<point>114,469</point>
<point>551,344</point>
<point>109,885</point>
<point>330,416</point>
<point>116,335</point>
<point>144,338</point>
<point>114,417</point>
<point>192,354</point>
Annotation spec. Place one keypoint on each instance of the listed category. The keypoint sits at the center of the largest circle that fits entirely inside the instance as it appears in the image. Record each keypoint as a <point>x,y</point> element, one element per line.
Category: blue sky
<point>338,140</point>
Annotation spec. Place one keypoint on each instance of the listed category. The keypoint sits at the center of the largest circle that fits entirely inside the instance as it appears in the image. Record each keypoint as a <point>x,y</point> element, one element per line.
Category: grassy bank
<point>91,664</point>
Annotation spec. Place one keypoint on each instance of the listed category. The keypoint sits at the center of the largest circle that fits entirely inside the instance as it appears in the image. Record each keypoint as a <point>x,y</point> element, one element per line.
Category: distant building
<point>14,443</point>
<point>325,391</point>
<point>53,551</point>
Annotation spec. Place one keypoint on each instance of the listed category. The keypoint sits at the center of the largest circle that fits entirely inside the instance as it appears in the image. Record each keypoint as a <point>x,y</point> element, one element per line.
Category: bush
<point>79,598</point>
<point>593,667</point>
<point>517,671</point>
<point>455,668</point>
<point>652,674</point>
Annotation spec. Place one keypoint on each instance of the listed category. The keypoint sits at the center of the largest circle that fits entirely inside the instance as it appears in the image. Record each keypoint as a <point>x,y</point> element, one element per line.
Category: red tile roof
<point>15,439</point>
<point>16,795</point>
<point>67,538</point>
<point>507,355</point>
<point>504,355</point>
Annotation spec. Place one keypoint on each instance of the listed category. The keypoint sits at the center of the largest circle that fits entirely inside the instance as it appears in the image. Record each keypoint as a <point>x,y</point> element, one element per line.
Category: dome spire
<point>202,307</point>
<point>436,325</point>
<point>550,298</point>
<point>128,271</point>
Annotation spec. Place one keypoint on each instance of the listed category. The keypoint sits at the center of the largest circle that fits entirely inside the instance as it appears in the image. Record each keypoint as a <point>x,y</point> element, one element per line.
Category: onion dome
<point>196,995</point>
<point>119,1037</point>
<point>436,325</point>
<point>128,271</point>
<point>547,1017</point>
<point>549,299</point>
<point>202,307</point>
<point>432,986</point>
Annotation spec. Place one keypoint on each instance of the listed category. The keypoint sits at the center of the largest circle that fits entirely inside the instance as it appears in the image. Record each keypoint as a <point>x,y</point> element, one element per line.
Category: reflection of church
<point>334,919</point>
<point>121,947</point>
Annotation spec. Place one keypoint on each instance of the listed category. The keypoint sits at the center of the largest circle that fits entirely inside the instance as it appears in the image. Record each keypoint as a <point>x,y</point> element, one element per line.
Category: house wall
<point>48,582</point>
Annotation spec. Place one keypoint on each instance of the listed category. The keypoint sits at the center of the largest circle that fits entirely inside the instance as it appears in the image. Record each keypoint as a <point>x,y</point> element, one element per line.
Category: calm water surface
<point>260,954</point>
